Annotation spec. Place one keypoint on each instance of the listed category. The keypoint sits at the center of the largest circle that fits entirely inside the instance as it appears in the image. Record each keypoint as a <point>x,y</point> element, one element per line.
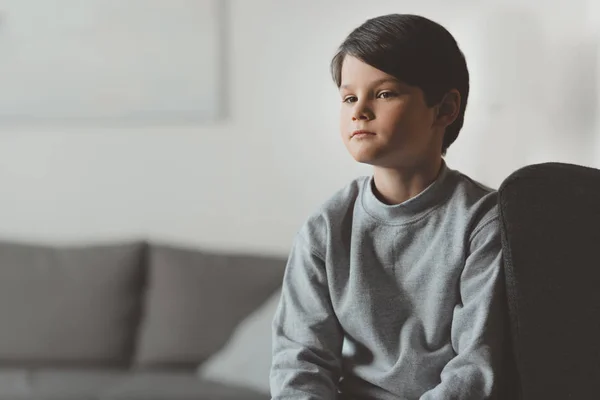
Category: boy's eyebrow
<point>376,83</point>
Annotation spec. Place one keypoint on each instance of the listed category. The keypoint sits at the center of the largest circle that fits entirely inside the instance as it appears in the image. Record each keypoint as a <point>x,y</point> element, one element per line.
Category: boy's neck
<point>397,185</point>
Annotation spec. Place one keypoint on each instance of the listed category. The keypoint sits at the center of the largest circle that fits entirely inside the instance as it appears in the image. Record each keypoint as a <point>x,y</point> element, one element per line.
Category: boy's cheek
<point>345,130</point>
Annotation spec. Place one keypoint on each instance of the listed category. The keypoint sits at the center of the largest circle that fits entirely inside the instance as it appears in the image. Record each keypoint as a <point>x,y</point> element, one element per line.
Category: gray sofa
<point>123,321</point>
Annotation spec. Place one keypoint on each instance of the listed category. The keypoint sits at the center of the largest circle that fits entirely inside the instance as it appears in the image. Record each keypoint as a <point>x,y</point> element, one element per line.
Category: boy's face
<point>401,128</point>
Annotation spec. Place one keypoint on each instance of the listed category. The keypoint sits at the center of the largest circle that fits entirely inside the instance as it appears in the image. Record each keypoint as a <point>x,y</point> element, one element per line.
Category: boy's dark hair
<point>416,51</point>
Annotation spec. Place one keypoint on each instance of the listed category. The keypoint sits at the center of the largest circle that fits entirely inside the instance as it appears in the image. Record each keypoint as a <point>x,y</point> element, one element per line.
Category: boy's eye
<point>386,95</point>
<point>349,99</point>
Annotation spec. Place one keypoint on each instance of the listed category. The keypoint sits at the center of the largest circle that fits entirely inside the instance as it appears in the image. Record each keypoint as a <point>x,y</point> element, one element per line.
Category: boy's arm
<point>478,323</point>
<point>307,337</point>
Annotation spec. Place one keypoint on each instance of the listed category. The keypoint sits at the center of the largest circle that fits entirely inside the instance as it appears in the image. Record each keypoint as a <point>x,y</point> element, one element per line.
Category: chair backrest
<point>550,218</point>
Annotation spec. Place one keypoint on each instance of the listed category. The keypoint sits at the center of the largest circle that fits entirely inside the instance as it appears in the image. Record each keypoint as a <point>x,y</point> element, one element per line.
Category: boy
<point>393,290</point>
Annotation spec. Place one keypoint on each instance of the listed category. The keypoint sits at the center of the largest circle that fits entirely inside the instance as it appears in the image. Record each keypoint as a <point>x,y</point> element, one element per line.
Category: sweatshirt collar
<point>413,208</point>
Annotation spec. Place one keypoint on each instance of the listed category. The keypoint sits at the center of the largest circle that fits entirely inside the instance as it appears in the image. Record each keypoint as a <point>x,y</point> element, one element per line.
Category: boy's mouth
<point>361,133</point>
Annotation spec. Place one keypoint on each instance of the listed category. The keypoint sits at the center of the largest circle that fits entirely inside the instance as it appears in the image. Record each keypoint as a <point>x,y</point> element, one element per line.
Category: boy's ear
<point>448,108</point>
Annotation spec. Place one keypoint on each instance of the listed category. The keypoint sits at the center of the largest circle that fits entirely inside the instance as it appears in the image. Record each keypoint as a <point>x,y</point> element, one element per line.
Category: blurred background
<point>213,125</point>
<point>248,177</point>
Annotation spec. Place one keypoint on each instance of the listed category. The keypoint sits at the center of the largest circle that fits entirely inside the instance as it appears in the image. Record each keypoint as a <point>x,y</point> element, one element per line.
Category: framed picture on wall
<point>112,61</point>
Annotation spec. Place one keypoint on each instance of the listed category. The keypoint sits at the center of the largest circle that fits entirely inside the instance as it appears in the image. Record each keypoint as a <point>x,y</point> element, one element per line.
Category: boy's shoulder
<point>478,202</point>
<point>333,211</point>
<point>344,198</point>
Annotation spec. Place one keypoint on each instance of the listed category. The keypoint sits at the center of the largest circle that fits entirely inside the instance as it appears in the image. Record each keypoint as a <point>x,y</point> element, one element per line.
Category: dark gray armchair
<point>550,216</point>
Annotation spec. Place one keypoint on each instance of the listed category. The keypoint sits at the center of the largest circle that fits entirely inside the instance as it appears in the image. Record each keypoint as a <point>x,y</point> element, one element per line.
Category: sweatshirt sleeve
<point>478,323</point>
<point>307,337</point>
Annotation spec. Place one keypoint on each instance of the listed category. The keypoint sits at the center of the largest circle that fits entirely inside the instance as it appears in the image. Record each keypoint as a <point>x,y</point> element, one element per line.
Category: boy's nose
<point>362,114</point>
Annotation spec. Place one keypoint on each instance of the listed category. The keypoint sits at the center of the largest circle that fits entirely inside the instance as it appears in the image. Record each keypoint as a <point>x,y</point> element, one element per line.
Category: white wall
<point>247,183</point>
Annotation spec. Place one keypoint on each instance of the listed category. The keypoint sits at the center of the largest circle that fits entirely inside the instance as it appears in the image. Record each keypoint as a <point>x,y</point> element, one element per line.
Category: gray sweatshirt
<point>393,302</point>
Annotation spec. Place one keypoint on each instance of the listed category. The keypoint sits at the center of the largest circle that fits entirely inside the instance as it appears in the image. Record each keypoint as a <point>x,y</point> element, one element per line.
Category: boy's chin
<point>372,161</point>
<point>377,160</point>
<point>365,157</point>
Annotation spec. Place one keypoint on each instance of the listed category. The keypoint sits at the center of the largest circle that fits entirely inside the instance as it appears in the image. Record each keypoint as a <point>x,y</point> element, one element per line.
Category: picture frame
<point>112,61</point>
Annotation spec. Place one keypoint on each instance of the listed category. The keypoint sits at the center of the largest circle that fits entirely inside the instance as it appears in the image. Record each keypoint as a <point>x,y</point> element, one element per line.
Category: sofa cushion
<point>14,383</point>
<point>177,386</point>
<point>71,384</point>
<point>246,359</point>
<point>107,384</point>
<point>195,299</point>
<point>69,306</point>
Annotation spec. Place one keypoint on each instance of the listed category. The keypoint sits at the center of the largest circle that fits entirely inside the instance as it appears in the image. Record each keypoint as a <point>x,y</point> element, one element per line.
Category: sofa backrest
<point>195,299</point>
<point>69,306</point>
<point>141,305</point>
